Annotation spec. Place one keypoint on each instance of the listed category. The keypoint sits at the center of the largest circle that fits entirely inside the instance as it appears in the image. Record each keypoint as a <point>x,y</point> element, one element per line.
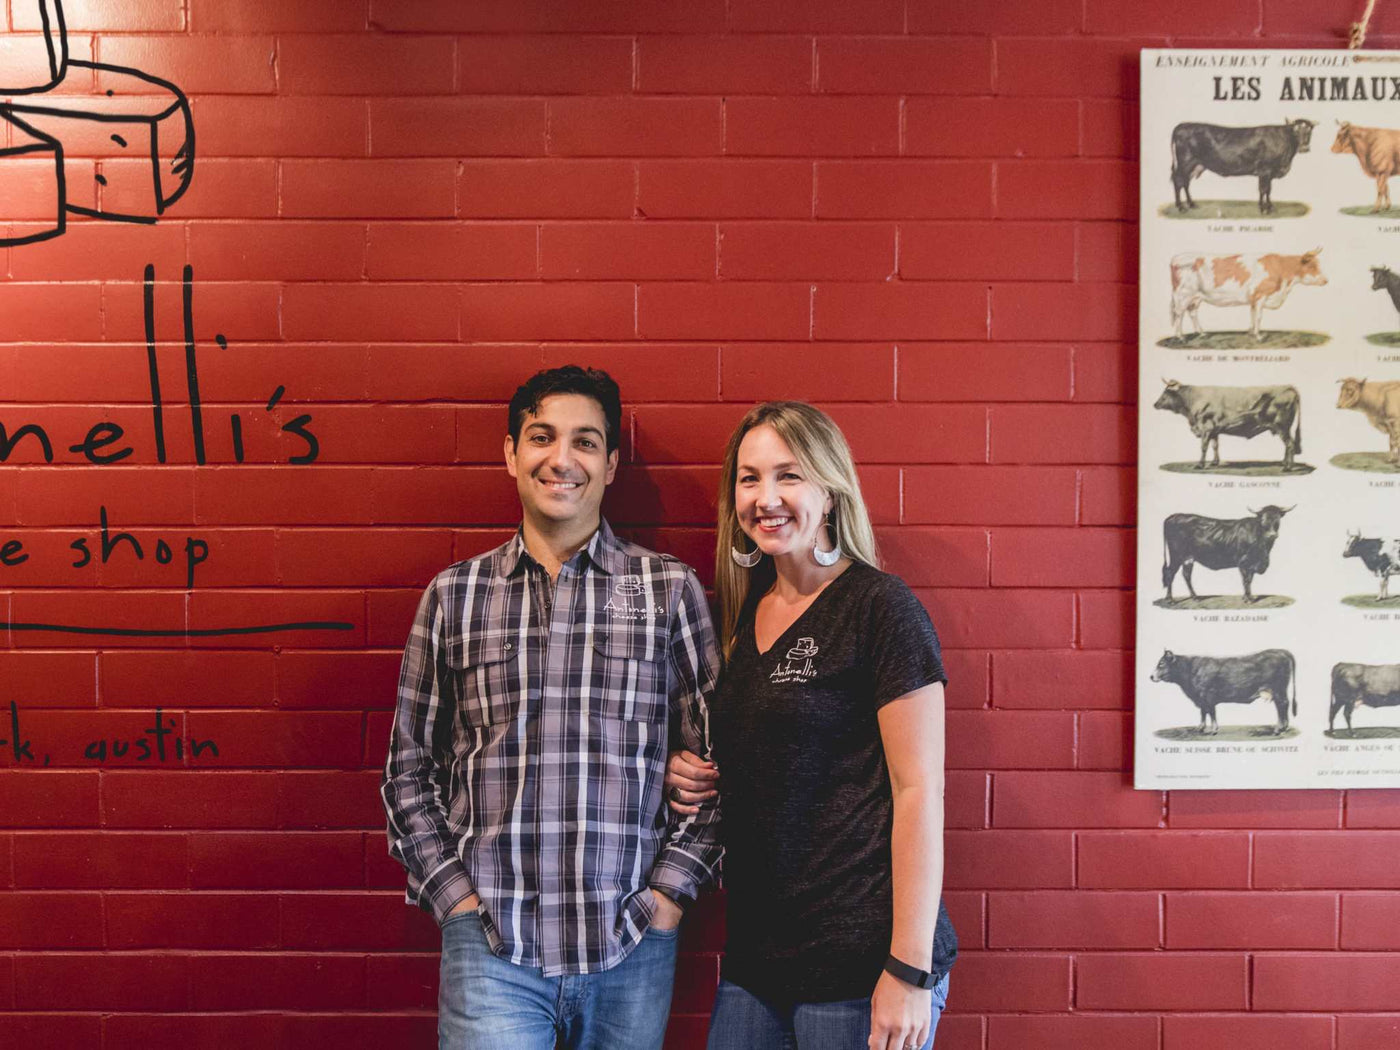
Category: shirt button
<point>509,646</point>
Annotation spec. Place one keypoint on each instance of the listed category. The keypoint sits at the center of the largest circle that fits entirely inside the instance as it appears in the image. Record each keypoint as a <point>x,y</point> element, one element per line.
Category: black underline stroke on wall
<point>202,632</point>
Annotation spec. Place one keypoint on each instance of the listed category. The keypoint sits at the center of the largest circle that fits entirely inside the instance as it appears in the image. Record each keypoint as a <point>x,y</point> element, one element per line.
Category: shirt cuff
<point>678,876</point>
<point>446,888</point>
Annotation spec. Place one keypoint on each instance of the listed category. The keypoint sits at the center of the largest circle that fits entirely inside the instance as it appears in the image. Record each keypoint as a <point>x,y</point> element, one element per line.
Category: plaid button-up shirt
<point>529,746</point>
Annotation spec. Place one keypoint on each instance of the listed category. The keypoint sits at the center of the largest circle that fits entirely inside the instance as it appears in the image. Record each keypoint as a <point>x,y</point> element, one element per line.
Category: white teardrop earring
<point>832,556</point>
<point>746,561</point>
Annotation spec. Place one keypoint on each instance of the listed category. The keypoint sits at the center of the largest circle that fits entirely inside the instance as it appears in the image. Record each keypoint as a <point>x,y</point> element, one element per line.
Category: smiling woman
<point>828,725</point>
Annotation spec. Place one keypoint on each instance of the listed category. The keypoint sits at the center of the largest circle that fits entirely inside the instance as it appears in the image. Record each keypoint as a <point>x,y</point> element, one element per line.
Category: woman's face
<point>779,507</point>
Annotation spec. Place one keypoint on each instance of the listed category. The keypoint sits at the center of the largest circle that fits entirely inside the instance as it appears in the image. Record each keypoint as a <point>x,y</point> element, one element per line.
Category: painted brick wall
<point>917,213</point>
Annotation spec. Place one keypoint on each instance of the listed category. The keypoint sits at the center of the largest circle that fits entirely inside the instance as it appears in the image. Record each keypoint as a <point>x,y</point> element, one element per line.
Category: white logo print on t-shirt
<point>797,667</point>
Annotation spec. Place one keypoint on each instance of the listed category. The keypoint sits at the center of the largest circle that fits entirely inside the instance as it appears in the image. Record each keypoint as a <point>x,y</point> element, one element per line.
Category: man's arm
<point>420,837</point>
<point>692,850</point>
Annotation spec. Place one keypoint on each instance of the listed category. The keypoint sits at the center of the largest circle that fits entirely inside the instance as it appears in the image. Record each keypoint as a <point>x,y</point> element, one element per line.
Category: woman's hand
<point>899,1014</point>
<point>690,780</point>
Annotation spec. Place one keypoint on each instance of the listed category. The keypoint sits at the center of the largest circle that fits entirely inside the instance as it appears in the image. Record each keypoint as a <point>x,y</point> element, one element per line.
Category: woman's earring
<point>746,561</point>
<point>832,556</point>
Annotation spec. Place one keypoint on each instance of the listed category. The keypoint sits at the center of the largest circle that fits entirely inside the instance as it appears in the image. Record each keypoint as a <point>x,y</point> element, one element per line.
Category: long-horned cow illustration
<point>1371,685</point>
<point>1379,403</point>
<point>1377,150</point>
<point>1258,281</point>
<point>1219,543</point>
<point>1266,152</point>
<point>1209,681</point>
<point>1239,411</point>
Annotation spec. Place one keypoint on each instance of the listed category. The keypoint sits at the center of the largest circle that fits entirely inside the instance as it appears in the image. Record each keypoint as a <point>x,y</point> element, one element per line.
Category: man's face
<point>561,464</point>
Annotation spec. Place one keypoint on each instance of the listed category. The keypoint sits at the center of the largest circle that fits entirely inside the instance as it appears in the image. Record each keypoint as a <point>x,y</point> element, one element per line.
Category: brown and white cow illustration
<point>1257,281</point>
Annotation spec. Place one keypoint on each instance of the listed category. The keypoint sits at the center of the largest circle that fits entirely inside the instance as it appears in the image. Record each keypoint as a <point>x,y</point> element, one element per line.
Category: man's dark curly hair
<point>569,379</point>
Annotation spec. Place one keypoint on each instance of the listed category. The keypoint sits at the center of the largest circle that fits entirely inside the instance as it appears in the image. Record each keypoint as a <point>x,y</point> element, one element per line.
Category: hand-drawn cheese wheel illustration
<point>804,648</point>
<point>629,585</point>
<point>31,62</point>
<point>140,115</point>
<point>31,170</point>
<point>135,115</point>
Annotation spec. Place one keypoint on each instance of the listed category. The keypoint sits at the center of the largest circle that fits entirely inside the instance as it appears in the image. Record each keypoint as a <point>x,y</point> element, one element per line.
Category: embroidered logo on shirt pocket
<point>629,600</point>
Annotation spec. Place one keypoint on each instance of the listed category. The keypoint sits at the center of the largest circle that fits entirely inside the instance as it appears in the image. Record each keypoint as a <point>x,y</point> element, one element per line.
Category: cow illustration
<point>1377,150</point>
<point>1381,277</point>
<point>1219,543</point>
<point>1209,681</point>
<point>1258,281</point>
<point>1266,152</point>
<point>1372,685</point>
<point>1380,404</point>
<point>1240,411</point>
<point>1382,557</point>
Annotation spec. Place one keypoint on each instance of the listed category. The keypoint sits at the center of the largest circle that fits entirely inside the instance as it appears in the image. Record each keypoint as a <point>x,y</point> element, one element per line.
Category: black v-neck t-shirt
<point>806,800</point>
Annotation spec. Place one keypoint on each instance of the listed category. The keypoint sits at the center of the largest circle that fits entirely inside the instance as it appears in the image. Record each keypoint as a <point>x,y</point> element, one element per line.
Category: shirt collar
<point>603,550</point>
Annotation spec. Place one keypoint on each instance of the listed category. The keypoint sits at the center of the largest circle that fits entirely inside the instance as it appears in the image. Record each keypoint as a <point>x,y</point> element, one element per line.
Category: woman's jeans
<point>742,1021</point>
<point>486,1003</point>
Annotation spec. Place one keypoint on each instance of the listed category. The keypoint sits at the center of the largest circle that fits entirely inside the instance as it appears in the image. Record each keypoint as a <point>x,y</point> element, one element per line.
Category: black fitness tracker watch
<point>910,974</point>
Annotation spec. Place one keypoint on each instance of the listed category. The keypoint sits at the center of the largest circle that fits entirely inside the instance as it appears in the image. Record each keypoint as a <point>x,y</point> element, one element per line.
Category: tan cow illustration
<point>1378,152</point>
<point>1380,404</point>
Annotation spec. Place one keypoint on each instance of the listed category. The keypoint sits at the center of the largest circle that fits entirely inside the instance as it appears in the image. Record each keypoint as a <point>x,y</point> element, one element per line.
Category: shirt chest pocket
<point>490,678</point>
<point>629,671</point>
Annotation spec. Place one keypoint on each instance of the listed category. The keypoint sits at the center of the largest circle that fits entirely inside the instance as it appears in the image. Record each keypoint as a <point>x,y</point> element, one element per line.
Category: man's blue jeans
<point>742,1021</point>
<point>486,1003</point>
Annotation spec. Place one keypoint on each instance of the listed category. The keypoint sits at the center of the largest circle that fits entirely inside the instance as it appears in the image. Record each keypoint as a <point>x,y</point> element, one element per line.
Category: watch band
<point>910,974</point>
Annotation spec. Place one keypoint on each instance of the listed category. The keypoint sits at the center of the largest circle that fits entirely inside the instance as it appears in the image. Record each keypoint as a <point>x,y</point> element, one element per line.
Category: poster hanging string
<point>1358,29</point>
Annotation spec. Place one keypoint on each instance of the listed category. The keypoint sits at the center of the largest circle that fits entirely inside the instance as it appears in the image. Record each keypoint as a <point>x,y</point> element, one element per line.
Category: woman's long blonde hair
<point>825,458</point>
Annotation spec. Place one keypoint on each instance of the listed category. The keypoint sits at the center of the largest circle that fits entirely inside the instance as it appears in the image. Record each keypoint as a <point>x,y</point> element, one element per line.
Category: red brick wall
<point>917,213</point>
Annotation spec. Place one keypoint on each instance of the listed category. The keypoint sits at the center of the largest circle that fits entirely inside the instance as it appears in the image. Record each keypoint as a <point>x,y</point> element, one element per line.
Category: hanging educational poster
<point>1268,642</point>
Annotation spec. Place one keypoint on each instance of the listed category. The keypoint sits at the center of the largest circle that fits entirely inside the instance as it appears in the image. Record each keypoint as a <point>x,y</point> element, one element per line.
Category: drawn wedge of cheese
<point>140,116</point>
<point>33,62</point>
<point>31,170</point>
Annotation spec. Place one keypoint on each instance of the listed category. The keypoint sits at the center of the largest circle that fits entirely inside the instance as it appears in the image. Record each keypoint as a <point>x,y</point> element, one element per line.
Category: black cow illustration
<point>1382,557</point>
<point>1240,411</point>
<point>1382,277</point>
<point>1209,681</point>
<point>1266,152</point>
<point>1219,543</point>
<point>1374,685</point>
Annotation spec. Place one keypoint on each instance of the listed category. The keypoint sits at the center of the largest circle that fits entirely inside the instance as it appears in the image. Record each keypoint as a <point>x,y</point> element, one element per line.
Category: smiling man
<point>542,685</point>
